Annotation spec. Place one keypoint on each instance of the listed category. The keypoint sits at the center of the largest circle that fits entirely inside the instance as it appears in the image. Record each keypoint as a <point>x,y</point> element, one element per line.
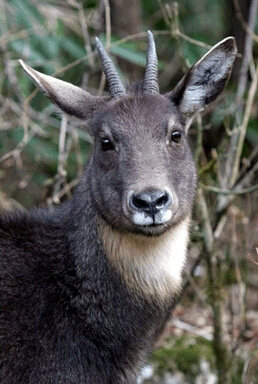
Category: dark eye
<point>106,145</point>
<point>176,136</point>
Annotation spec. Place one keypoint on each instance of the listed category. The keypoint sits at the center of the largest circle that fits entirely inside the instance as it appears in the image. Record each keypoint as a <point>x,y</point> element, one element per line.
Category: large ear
<point>205,80</point>
<point>71,99</point>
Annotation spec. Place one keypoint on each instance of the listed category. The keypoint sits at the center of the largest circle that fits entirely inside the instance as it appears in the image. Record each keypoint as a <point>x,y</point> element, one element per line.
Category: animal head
<point>141,175</point>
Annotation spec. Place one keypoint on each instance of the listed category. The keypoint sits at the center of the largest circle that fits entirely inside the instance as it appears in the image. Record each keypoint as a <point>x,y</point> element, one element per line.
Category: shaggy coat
<point>87,287</point>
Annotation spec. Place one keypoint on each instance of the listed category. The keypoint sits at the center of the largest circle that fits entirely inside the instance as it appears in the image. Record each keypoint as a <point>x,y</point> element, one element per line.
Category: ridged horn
<point>115,84</point>
<point>150,82</point>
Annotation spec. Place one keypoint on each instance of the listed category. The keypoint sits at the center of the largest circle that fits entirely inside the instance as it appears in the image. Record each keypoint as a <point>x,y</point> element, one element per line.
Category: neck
<point>150,266</point>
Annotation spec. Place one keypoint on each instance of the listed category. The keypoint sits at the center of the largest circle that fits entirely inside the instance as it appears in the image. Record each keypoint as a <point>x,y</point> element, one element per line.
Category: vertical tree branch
<point>243,127</point>
<point>108,41</point>
<point>223,355</point>
<point>62,157</point>
<point>247,54</point>
<point>223,201</point>
<point>236,141</point>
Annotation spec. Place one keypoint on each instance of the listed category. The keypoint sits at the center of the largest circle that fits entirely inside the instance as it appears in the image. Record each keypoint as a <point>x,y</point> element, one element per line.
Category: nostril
<point>139,201</point>
<point>162,200</point>
<point>151,201</point>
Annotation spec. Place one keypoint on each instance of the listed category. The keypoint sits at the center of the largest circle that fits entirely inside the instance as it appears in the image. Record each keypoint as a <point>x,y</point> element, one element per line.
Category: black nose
<point>151,202</point>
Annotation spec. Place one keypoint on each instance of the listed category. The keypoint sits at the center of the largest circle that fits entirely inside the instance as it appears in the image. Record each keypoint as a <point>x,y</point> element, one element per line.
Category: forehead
<point>136,114</point>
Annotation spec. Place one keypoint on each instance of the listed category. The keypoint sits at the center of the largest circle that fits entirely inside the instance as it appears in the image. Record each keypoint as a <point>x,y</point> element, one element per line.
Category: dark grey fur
<point>73,310</point>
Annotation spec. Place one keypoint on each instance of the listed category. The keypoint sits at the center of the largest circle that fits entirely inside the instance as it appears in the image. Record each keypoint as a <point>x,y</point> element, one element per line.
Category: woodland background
<point>213,335</point>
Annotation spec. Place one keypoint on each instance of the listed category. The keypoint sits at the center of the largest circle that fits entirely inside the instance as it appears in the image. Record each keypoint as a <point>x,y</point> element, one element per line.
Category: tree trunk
<point>125,17</point>
<point>126,20</point>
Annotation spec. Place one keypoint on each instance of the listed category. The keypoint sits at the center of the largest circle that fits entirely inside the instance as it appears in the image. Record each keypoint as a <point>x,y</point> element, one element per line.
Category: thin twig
<point>62,157</point>
<point>244,24</point>
<point>165,10</point>
<point>243,128</point>
<point>85,33</point>
<point>229,192</point>
<point>76,143</point>
<point>192,329</point>
<point>206,223</point>
<point>26,136</point>
<point>108,43</point>
<point>247,54</point>
<point>198,149</point>
<point>23,34</point>
<point>237,139</point>
<point>236,148</point>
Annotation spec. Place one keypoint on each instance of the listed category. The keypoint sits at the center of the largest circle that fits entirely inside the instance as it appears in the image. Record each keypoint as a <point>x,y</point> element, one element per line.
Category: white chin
<point>141,218</point>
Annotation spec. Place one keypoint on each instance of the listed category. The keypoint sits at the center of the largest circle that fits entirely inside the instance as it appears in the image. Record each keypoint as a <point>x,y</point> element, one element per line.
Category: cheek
<point>106,161</point>
<point>185,181</point>
<point>182,175</point>
<point>107,189</point>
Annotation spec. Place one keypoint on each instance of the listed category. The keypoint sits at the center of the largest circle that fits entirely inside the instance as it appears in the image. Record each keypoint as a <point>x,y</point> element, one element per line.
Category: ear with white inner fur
<point>205,80</point>
<point>71,99</point>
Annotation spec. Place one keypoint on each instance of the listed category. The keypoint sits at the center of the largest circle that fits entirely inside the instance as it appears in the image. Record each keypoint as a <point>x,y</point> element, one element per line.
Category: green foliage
<point>184,354</point>
<point>189,355</point>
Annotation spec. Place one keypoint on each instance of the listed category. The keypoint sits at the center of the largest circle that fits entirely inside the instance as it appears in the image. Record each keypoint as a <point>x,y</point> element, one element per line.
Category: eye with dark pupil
<point>176,136</point>
<point>106,145</point>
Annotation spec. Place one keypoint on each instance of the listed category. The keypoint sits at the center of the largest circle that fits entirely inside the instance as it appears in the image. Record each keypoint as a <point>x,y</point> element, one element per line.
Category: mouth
<point>154,225</point>
<point>152,230</point>
<point>153,219</point>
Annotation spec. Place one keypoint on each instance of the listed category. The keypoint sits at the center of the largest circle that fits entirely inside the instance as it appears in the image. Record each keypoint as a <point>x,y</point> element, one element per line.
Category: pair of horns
<point>115,84</point>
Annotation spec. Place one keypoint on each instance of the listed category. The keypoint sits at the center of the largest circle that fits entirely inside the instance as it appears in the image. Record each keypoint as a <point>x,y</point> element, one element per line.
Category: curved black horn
<point>150,82</point>
<point>115,85</point>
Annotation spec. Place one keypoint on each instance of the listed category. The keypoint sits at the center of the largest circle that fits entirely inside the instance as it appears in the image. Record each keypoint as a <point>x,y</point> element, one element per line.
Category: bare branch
<point>108,43</point>
<point>192,329</point>
<point>245,26</point>
<point>229,192</point>
<point>242,114</point>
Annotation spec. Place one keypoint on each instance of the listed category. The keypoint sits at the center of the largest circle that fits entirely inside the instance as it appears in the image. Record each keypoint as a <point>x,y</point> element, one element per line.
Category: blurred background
<point>213,335</point>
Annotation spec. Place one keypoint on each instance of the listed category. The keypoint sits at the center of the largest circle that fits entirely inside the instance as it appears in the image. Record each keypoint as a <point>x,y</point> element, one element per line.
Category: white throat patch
<point>150,266</point>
